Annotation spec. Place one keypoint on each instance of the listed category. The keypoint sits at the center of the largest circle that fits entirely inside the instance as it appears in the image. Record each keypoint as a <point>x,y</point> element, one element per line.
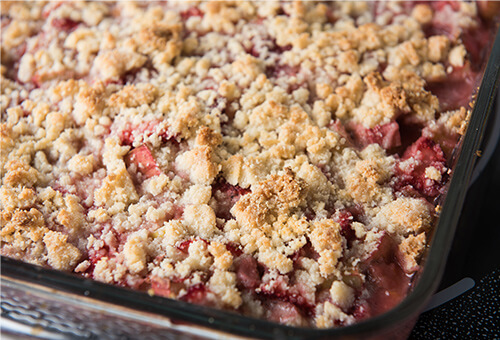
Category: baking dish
<point>116,321</point>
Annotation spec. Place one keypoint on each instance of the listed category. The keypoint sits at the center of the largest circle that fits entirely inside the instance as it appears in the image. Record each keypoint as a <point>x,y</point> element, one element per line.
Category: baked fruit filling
<point>282,160</point>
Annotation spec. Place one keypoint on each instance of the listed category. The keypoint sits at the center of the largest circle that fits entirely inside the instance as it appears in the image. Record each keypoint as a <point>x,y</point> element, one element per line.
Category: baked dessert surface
<point>281,160</point>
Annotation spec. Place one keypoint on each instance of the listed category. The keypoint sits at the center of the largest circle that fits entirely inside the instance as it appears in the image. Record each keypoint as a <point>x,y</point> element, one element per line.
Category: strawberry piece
<point>196,294</point>
<point>226,196</point>
<point>454,90</point>
<point>425,150</point>
<point>65,24</point>
<point>191,12</point>
<point>285,312</point>
<point>144,160</point>
<point>167,287</point>
<point>234,248</point>
<point>280,289</point>
<point>338,127</point>
<point>412,178</point>
<point>247,272</point>
<point>386,280</point>
<point>446,139</point>
<point>161,287</point>
<point>387,135</point>
<point>184,245</point>
<point>345,218</point>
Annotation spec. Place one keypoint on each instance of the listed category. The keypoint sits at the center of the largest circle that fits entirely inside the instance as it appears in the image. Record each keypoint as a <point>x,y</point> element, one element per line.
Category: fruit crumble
<point>282,160</point>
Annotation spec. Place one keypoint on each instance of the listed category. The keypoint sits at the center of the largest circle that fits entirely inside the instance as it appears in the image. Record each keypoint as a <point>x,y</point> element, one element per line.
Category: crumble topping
<point>405,215</point>
<point>276,159</point>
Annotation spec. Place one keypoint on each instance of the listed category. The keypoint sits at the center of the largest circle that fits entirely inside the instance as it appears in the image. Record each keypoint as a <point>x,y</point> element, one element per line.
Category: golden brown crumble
<point>160,143</point>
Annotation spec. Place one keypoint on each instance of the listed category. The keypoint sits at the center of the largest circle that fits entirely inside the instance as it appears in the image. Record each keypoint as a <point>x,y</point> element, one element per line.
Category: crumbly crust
<point>165,145</point>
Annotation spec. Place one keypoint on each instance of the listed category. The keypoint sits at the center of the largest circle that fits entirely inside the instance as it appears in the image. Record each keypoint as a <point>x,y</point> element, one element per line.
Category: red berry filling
<point>65,24</point>
<point>191,12</point>
<point>387,135</point>
<point>144,160</point>
<point>386,283</point>
<point>247,272</point>
<point>196,294</point>
<point>455,90</point>
<point>411,175</point>
<point>226,196</point>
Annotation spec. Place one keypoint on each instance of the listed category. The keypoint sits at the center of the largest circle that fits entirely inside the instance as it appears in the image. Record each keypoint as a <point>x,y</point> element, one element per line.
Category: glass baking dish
<point>74,307</point>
